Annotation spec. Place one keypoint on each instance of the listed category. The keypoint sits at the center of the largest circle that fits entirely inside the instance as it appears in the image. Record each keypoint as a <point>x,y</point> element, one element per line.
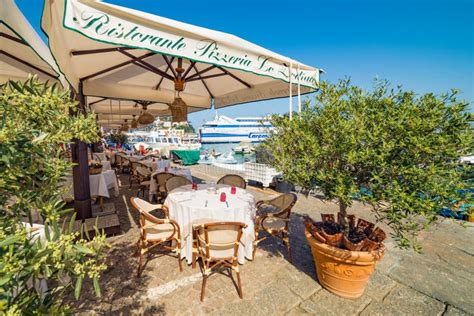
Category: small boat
<point>206,160</point>
<point>243,149</point>
<point>227,159</point>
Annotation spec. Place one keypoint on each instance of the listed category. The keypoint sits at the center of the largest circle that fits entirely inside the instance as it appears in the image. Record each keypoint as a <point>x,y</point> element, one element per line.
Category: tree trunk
<point>342,216</point>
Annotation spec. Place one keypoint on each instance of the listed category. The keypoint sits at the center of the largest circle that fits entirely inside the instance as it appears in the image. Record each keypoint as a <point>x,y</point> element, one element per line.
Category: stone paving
<point>438,282</point>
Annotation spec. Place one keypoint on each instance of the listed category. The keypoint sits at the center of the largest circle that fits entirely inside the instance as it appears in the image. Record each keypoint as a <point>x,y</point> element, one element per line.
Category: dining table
<point>189,207</point>
<point>100,184</point>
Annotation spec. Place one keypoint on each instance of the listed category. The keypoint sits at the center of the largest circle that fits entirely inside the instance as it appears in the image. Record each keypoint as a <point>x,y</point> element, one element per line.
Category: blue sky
<point>424,45</point>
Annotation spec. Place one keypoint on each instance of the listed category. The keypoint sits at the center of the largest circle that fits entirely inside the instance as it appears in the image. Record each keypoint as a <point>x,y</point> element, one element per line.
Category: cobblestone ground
<point>438,282</point>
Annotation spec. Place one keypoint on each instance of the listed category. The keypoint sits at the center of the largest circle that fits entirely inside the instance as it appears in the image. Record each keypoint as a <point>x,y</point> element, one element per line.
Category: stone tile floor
<point>438,282</point>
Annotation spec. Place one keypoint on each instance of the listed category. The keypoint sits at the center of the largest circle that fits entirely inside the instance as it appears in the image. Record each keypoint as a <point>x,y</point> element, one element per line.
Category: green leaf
<point>95,281</point>
<point>84,249</point>
<point>9,241</point>
<point>77,288</point>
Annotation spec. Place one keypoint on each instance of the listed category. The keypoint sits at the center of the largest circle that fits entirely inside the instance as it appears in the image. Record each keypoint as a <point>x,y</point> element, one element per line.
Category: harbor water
<point>225,148</point>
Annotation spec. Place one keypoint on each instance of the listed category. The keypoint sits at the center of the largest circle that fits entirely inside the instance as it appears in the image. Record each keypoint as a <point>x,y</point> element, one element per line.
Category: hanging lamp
<point>125,126</point>
<point>134,123</point>
<point>145,117</point>
<point>179,108</point>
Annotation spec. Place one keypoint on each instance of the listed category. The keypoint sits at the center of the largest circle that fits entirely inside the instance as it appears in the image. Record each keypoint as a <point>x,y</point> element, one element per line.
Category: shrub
<point>36,125</point>
<point>390,148</point>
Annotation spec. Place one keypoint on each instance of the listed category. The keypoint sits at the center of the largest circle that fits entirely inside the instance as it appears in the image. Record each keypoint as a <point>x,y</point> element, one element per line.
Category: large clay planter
<point>343,272</point>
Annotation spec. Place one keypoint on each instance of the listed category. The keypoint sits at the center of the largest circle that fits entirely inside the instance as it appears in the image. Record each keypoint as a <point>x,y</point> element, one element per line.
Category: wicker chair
<point>233,180</point>
<point>124,164</point>
<point>273,217</point>
<point>133,173</point>
<point>144,178</point>
<point>160,179</point>
<point>176,182</point>
<point>217,245</point>
<point>155,232</point>
<point>118,160</point>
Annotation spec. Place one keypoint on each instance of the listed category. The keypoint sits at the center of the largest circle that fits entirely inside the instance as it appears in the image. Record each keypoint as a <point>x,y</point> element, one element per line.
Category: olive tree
<point>37,121</point>
<point>390,148</point>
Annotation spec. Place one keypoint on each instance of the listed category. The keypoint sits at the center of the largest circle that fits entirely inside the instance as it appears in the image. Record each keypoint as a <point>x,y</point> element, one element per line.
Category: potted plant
<point>390,149</point>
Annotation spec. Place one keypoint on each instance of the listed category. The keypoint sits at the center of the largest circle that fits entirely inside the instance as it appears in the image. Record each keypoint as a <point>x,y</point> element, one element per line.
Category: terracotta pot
<point>333,240</point>
<point>343,272</point>
<point>351,246</point>
<point>470,218</point>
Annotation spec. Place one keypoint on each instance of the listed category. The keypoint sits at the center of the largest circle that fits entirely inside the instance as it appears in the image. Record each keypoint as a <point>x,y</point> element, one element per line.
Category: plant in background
<point>35,124</point>
<point>392,149</point>
<point>117,138</point>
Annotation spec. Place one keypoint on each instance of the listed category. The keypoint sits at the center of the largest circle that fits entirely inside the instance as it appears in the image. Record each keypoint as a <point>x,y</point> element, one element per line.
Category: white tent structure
<point>22,52</point>
<point>111,52</point>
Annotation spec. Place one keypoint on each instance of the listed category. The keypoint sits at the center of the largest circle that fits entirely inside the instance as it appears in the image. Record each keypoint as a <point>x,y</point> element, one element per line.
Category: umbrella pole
<point>80,171</point>
<point>291,91</point>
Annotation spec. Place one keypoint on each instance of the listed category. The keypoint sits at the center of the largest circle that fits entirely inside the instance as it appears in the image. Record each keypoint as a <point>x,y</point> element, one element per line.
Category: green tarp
<point>189,157</point>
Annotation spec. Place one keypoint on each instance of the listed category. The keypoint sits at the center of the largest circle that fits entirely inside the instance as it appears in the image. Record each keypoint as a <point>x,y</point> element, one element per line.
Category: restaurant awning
<point>111,52</point>
<point>22,51</point>
<point>117,52</point>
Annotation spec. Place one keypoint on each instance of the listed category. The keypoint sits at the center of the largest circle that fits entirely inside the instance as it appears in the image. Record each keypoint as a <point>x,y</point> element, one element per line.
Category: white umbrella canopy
<point>108,51</point>
<point>116,52</point>
<point>22,52</point>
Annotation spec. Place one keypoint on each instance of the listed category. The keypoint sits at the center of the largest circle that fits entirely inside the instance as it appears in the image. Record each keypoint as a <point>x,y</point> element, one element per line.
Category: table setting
<point>204,203</point>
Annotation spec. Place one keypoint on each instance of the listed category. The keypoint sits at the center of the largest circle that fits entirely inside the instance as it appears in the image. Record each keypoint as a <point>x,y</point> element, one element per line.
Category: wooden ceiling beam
<point>204,83</point>
<point>170,66</point>
<point>207,77</point>
<point>161,79</point>
<point>235,77</point>
<point>197,73</point>
<point>128,62</point>
<point>149,66</point>
<point>28,64</point>
<point>13,38</point>
<point>100,51</point>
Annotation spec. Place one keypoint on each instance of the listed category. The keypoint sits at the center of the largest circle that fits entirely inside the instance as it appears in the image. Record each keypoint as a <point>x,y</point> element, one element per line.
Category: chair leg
<point>286,240</point>
<point>255,243</point>
<point>137,252</point>
<point>193,264</point>
<point>140,262</point>
<point>178,244</point>
<point>239,285</point>
<point>203,288</point>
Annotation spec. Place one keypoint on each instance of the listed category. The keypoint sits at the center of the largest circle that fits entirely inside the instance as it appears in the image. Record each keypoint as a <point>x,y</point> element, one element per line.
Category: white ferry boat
<point>224,129</point>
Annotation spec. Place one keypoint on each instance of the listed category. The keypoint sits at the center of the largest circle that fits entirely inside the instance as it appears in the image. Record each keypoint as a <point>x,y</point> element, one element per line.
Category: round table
<point>188,207</point>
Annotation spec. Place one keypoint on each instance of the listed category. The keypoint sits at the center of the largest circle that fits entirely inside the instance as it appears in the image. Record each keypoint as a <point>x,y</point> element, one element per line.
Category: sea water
<point>225,148</point>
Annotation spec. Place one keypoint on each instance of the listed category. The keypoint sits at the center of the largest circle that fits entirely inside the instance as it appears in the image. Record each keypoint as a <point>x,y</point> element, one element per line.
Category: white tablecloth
<point>177,171</point>
<point>187,208</point>
<point>157,165</point>
<point>99,185</point>
<point>102,182</point>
